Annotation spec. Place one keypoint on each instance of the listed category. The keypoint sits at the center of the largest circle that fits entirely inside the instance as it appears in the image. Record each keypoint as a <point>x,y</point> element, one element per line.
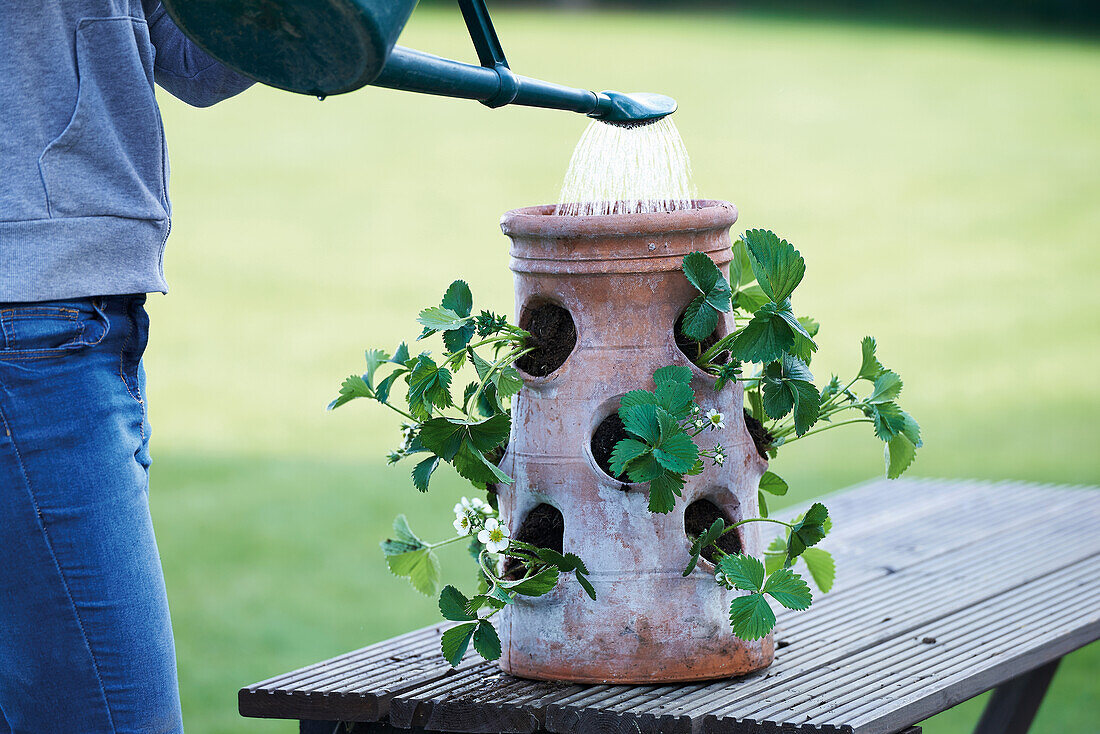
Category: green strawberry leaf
<point>422,472</point>
<point>404,539</point>
<point>638,397</point>
<point>702,541</point>
<point>429,385</point>
<point>663,491</point>
<point>888,419</point>
<point>900,453</point>
<point>401,354</point>
<point>486,640</point>
<point>582,579</point>
<point>700,319</point>
<point>750,299</point>
<point>777,265</point>
<point>672,373</point>
<point>421,567</point>
<point>644,469</point>
<point>751,617</point>
<point>887,387</point>
<point>382,392</point>
<point>458,298</point>
<point>675,397</point>
<point>641,420</point>
<point>772,483</point>
<point>789,589</point>
<point>438,318</point>
<point>446,436</point>
<point>764,339</point>
<point>481,601</point>
<point>807,532</point>
<point>740,267</point>
<point>911,429</point>
<point>775,555</point>
<point>822,567</point>
<point>453,604</point>
<point>702,273</point>
<point>677,453</point>
<point>353,386</point>
<point>456,640</point>
<point>626,451</point>
<point>541,583</point>
<point>472,464</point>
<point>375,358</point>
<point>508,382</point>
<point>870,368</point>
<point>743,571</point>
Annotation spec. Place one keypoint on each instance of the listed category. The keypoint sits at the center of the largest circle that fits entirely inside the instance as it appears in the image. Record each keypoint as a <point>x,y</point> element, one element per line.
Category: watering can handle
<point>482,33</point>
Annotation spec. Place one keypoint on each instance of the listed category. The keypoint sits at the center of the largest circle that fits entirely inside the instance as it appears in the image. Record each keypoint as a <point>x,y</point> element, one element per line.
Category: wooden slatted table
<point>945,589</point>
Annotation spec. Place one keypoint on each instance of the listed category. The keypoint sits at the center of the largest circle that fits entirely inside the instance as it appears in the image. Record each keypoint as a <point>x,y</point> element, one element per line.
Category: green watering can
<point>323,47</point>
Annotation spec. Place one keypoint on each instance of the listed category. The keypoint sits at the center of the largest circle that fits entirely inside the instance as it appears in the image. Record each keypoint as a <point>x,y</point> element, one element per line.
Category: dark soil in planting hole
<point>693,349</point>
<point>699,516</point>
<point>610,431</point>
<point>544,527</point>
<point>760,435</point>
<point>554,337</point>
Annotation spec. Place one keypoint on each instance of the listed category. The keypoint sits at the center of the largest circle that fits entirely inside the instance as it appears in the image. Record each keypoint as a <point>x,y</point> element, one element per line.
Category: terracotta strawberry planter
<point>619,278</point>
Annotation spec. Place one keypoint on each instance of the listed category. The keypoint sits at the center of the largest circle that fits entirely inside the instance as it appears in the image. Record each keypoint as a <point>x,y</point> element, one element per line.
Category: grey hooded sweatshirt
<point>84,205</point>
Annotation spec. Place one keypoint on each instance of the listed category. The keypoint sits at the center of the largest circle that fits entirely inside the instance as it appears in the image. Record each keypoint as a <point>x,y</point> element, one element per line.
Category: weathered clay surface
<point>619,276</point>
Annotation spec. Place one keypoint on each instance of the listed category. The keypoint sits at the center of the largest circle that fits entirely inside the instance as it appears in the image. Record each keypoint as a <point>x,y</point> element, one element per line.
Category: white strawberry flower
<point>477,505</point>
<point>716,419</point>
<point>474,506</point>
<point>495,536</point>
<point>719,455</point>
<point>462,524</point>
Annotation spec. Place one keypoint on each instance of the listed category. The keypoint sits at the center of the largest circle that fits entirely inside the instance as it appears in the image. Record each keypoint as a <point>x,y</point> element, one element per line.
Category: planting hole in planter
<point>760,435</point>
<point>693,349</point>
<point>544,526</point>
<point>608,433</point>
<point>700,515</point>
<point>554,335</point>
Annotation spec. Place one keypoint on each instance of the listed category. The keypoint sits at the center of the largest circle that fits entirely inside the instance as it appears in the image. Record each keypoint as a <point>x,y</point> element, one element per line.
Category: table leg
<point>1014,704</point>
<point>320,727</point>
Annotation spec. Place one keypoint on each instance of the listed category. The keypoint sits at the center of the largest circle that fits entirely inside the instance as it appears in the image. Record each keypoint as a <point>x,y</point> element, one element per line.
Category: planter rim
<point>540,221</point>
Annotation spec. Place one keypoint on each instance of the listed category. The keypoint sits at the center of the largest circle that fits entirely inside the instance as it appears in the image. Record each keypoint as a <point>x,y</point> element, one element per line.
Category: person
<point>85,638</point>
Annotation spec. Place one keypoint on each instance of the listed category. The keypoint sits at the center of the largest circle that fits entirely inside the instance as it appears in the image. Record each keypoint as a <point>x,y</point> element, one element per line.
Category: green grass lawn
<point>941,185</point>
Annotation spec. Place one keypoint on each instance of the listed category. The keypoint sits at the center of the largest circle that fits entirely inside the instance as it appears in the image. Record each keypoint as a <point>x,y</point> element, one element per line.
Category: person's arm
<point>184,69</point>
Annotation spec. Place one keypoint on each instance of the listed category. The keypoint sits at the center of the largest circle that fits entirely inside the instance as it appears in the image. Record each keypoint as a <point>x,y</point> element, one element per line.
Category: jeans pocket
<point>49,330</point>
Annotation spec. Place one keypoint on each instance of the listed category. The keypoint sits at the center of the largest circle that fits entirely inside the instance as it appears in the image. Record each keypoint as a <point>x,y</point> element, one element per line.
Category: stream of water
<point>638,169</point>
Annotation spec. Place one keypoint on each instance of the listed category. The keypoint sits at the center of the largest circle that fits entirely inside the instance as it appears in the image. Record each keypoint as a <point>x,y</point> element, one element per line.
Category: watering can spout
<point>323,47</point>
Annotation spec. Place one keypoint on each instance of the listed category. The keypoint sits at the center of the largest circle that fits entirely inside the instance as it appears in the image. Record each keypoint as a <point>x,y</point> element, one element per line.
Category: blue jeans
<point>85,637</point>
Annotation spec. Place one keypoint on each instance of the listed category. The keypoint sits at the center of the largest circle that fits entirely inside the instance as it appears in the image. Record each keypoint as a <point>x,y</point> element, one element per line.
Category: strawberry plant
<point>768,355</point>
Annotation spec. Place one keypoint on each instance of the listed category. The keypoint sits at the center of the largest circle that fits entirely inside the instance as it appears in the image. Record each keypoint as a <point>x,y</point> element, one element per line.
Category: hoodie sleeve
<point>183,68</point>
